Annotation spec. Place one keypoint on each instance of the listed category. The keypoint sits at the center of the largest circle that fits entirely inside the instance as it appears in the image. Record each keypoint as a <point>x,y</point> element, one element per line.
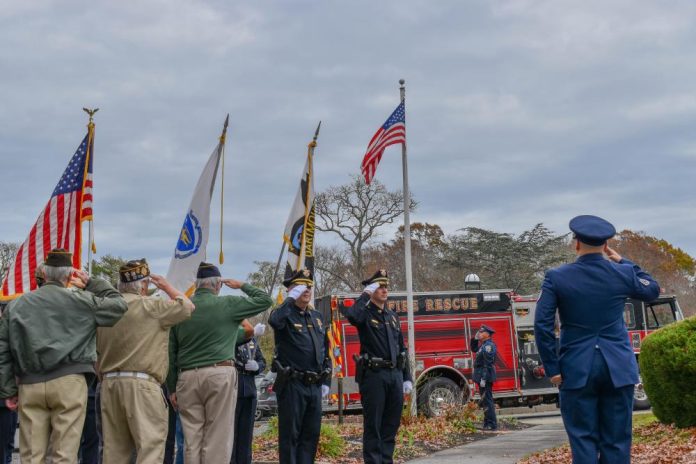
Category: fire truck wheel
<point>436,394</point>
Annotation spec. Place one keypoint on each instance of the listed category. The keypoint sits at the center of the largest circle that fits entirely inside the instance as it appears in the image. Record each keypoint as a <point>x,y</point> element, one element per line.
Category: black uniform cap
<point>134,270</point>
<point>484,327</point>
<point>58,257</point>
<point>300,277</point>
<point>206,270</point>
<point>379,277</point>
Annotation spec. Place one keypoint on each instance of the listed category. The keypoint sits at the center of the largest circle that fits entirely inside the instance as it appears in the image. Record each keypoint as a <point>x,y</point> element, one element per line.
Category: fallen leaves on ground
<point>653,443</point>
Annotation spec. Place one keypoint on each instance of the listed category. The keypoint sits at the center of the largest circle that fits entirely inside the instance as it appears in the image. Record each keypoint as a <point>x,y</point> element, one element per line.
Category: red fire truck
<point>445,322</point>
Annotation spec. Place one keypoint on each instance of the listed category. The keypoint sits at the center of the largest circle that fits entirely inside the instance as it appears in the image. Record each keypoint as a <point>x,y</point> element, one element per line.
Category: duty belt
<point>379,363</point>
<point>130,374</point>
<point>307,377</point>
<point>227,363</point>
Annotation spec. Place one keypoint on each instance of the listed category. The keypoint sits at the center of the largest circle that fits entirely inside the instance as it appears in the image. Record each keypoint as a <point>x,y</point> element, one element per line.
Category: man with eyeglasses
<point>383,372</point>
<point>133,358</point>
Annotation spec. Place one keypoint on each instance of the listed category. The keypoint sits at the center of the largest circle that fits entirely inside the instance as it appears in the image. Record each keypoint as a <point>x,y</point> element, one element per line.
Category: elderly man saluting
<point>202,353</point>
<point>133,361</point>
<point>48,341</point>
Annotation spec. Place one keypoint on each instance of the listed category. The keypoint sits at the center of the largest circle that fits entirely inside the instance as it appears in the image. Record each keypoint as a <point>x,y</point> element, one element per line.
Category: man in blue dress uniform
<point>304,370</point>
<point>383,372</point>
<point>596,368</point>
<point>484,373</point>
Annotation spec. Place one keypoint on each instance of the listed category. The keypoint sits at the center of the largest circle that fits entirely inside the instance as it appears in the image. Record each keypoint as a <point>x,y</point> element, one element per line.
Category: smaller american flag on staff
<point>392,132</point>
<point>58,225</point>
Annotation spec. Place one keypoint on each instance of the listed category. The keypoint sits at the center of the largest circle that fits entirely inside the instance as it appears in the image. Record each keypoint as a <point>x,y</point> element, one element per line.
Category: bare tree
<point>332,270</point>
<point>355,212</point>
<point>262,277</point>
<point>7,254</point>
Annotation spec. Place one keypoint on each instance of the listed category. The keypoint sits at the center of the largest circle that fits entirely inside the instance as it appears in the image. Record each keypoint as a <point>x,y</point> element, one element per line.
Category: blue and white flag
<point>193,237</point>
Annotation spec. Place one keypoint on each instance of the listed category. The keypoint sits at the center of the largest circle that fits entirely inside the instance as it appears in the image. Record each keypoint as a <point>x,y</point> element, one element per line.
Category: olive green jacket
<point>51,332</point>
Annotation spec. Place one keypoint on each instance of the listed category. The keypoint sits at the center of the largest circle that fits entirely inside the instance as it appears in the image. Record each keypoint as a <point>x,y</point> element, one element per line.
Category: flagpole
<point>308,207</point>
<point>90,142</point>
<point>407,255</point>
<point>223,138</point>
<point>277,268</point>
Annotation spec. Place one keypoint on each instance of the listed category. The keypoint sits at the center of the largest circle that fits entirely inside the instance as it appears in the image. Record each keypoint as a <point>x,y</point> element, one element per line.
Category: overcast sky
<point>518,112</point>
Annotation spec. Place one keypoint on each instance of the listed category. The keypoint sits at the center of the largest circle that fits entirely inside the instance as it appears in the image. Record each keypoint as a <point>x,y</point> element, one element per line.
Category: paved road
<point>506,448</point>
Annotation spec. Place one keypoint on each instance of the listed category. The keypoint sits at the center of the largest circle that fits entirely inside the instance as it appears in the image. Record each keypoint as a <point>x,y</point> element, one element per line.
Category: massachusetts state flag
<point>59,225</point>
<point>393,131</point>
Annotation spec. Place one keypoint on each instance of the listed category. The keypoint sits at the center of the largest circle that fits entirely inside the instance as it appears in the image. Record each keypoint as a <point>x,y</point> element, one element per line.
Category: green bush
<point>331,443</point>
<point>668,369</point>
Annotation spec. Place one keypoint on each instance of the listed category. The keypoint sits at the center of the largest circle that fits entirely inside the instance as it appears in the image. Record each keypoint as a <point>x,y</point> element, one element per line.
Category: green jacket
<point>51,332</point>
<point>210,335</point>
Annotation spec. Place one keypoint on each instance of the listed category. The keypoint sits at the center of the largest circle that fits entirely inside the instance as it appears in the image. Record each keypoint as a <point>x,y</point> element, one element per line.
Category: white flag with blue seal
<point>193,237</point>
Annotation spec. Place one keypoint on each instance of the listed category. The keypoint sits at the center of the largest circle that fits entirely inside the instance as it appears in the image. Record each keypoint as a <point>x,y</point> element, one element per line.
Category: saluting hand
<point>611,253</point>
<point>158,281</point>
<point>233,283</point>
<point>80,278</point>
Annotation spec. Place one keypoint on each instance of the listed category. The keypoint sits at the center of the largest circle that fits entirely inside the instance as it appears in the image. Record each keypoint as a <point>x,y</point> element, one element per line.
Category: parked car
<point>266,403</point>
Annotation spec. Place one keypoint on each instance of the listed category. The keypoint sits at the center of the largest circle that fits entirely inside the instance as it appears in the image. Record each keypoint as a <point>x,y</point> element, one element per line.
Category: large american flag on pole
<point>58,225</point>
<point>392,132</point>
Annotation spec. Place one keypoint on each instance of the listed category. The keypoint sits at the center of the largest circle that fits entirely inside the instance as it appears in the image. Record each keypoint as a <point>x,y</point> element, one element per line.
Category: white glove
<point>483,383</point>
<point>408,387</point>
<point>297,291</point>
<point>370,289</point>
<point>251,366</point>
<point>325,391</point>
<point>259,329</point>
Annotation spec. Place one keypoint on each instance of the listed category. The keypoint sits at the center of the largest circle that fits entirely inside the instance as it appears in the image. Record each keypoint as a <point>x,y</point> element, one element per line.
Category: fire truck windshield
<point>659,314</point>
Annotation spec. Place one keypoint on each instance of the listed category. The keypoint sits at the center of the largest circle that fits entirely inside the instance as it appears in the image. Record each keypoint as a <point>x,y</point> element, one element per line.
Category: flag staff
<point>407,256</point>
<point>91,248</point>
<point>223,137</point>
<point>308,208</point>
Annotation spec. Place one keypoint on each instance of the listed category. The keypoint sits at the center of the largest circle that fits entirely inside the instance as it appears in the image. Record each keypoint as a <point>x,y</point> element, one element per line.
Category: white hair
<point>57,274</point>
<point>209,282</point>
<point>132,287</point>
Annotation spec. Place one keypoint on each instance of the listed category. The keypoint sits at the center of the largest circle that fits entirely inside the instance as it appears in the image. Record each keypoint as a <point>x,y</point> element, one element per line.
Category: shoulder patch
<point>489,348</point>
<point>645,282</point>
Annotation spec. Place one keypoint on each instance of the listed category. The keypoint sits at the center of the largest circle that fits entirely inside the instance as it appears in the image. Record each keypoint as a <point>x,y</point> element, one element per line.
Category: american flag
<point>58,225</point>
<point>392,132</point>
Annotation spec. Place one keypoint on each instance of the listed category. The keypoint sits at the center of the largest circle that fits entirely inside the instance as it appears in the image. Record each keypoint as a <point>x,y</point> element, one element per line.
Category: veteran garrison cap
<point>58,257</point>
<point>300,277</point>
<point>206,270</point>
<point>592,230</point>
<point>134,270</point>
<point>485,328</point>
<point>379,277</point>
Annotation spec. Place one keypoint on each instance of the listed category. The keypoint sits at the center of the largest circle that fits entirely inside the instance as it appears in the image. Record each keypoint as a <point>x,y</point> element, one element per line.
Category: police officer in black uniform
<point>250,362</point>
<point>304,370</point>
<point>484,373</point>
<point>383,372</point>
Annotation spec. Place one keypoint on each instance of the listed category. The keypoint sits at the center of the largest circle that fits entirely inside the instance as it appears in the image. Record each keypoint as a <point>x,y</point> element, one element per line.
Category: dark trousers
<point>171,432</point>
<point>243,429</point>
<point>382,398</point>
<point>299,422</point>
<point>598,418</point>
<point>8,426</point>
<point>488,405</point>
<point>89,443</point>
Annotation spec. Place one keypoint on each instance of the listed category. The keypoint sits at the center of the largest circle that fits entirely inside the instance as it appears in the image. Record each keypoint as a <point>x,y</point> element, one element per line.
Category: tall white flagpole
<point>409,276</point>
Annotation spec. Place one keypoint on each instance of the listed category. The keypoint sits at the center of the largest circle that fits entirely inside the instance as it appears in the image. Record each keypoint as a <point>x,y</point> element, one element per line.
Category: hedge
<point>668,369</point>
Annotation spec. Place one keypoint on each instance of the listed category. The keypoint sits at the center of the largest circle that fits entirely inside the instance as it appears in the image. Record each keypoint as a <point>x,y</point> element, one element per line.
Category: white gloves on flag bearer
<point>325,391</point>
<point>370,289</point>
<point>259,329</point>
<point>296,292</point>
<point>251,366</point>
<point>408,387</point>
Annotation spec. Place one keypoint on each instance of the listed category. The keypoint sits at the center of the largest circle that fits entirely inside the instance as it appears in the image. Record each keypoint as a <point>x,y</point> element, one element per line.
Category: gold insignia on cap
<point>382,272</point>
<point>305,272</point>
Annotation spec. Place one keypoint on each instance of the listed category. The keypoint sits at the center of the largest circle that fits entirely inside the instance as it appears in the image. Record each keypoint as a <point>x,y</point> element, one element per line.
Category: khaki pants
<point>52,413</point>
<point>134,417</point>
<point>207,398</point>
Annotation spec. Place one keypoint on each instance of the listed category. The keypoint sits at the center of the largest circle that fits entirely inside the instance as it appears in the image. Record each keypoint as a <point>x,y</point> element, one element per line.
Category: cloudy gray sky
<point>518,112</point>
